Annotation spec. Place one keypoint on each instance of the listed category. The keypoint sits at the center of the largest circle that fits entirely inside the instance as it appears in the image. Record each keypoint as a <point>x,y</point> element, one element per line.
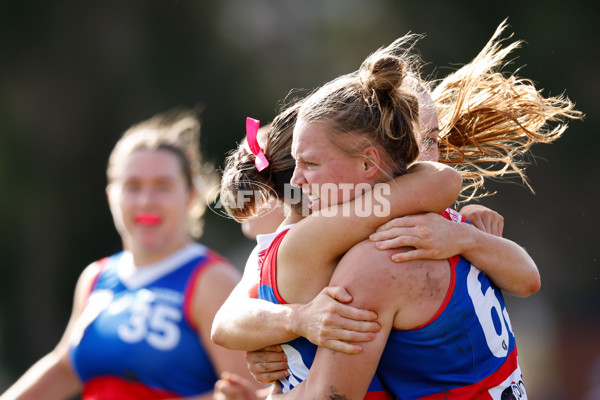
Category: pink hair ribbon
<point>251,131</point>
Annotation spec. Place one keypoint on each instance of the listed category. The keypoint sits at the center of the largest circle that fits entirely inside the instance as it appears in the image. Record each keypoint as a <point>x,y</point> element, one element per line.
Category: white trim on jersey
<point>134,277</point>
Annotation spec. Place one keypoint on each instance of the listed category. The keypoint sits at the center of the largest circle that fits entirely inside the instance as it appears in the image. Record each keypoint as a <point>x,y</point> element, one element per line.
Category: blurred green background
<point>74,75</point>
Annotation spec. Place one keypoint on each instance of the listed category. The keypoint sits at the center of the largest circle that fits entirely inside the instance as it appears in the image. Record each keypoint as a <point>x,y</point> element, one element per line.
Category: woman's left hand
<point>268,365</point>
<point>423,236</point>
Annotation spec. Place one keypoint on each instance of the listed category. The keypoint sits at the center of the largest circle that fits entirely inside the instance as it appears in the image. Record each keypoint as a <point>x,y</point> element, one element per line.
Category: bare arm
<point>238,324</point>
<point>429,186</point>
<point>507,264</point>
<point>345,376</point>
<point>245,323</point>
<point>251,324</point>
<point>52,377</point>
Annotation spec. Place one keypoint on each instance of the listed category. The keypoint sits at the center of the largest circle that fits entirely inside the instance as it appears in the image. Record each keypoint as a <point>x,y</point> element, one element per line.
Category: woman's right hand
<point>422,236</point>
<point>326,321</point>
<point>484,219</point>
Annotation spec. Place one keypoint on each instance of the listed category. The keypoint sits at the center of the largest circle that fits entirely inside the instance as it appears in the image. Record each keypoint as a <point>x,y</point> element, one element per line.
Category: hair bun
<point>382,73</point>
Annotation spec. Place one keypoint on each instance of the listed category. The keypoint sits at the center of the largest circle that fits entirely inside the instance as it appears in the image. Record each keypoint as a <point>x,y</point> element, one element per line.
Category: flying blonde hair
<point>489,121</point>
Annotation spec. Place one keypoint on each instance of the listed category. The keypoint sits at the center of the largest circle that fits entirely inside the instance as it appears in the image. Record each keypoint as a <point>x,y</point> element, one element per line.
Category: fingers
<point>401,222</point>
<point>346,340</point>
<point>338,293</point>
<point>414,231</point>
<point>265,356</point>
<point>340,327</point>
<point>349,317</point>
<point>490,222</point>
<point>498,225</point>
<point>329,309</point>
<point>264,373</point>
<point>397,242</point>
<point>328,322</point>
<point>267,366</point>
<point>346,329</point>
<point>499,228</point>
<point>417,254</point>
<point>478,223</point>
<point>391,233</point>
<point>343,347</point>
<point>484,219</point>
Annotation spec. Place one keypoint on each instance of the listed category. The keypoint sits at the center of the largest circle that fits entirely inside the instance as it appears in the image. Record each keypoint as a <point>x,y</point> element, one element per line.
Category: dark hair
<point>240,173</point>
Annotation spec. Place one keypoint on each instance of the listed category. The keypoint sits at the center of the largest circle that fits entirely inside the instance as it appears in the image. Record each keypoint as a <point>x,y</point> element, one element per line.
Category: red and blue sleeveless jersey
<point>135,338</point>
<point>466,351</point>
<point>300,352</point>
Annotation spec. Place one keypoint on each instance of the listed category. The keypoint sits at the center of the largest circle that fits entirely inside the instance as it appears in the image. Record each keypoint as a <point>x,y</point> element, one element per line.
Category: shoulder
<point>364,260</point>
<point>86,282</point>
<point>219,271</point>
<point>90,274</point>
<point>214,275</point>
<point>217,266</point>
<point>209,288</point>
<point>365,267</point>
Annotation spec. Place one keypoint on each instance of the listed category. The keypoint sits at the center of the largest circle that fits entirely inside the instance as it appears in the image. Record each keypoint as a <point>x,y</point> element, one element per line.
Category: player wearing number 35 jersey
<point>140,323</point>
<point>135,333</point>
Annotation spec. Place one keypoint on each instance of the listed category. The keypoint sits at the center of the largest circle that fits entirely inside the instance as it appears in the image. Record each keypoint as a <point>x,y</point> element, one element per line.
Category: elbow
<point>217,334</point>
<point>220,340</point>
<point>215,337</point>
<point>535,285</point>
<point>451,181</point>
<point>532,286</point>
<point>224,334</point>
<point>455,181</point>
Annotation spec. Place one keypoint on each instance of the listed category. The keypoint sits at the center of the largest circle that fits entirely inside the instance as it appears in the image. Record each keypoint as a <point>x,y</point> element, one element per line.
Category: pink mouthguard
<point>147,219</point>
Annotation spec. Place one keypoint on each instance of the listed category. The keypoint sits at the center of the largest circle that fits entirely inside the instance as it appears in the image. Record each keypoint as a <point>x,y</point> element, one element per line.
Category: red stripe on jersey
<point>480,390</point>
<point>379,395</point>
<point>452,261</point>
<point>212,259</point>
<point>447,299</point>
<point>101,266</point>
<point>268,274</point>
<point>261,257</point>
<point>253,291</point>
<point>110,387</point>
<point>453,215</point>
